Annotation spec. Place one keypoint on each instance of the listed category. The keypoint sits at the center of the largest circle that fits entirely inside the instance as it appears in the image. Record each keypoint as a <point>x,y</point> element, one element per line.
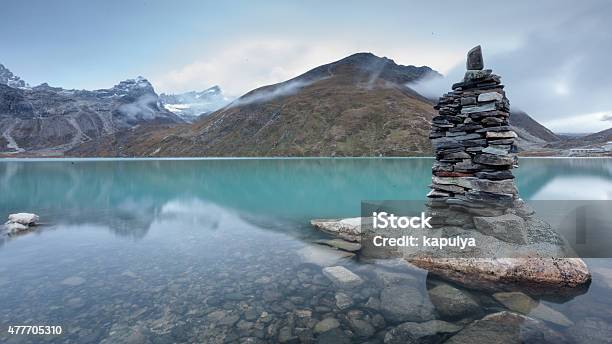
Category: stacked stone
<point>474,145</point>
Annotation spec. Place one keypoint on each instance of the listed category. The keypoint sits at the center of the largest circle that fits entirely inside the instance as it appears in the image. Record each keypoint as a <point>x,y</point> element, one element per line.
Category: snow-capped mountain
<point>53,119</point>
<point>191,105</point>
<point>9,79</point>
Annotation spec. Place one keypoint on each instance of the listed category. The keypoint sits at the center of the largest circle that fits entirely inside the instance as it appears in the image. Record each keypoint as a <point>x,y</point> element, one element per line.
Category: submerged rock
<point>326,325</point>
<point>451,302</point>
<point>401,303</point>
<point>591,330</point>
<point>432,331</point>
<point>507,328</point>
<point>342,277</point>
<point>521,303</point>
<point>340,244</point>
<point>322,255</point>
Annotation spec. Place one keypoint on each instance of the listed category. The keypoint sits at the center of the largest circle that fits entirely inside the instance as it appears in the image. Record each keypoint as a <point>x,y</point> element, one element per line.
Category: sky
<point>553,56</point>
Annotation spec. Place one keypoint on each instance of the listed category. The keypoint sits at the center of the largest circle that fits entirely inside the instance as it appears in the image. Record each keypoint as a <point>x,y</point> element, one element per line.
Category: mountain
<point>531,134</point>
<point>9,79</point>
<point>48,120</point>
<point>357,106</point>
<point>595,140</point>
<point>190,105</point>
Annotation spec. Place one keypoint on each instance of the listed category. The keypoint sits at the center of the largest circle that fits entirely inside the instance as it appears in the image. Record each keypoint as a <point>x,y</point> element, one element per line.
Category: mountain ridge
<point>50,120</point>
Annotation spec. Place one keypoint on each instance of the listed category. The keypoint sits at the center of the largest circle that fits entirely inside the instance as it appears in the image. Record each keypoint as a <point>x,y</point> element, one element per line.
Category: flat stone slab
<point>347,229</point>
<point>323,256</point>
<point>342,277</point>
<point>538,276</point>
<point>340,244</point>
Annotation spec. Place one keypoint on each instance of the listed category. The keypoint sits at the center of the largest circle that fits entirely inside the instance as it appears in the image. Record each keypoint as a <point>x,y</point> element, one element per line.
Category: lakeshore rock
<point>323,255</point>
<point>400,303</point>
<point>20,222</point>
<point>538,276</point>
<point>340,244</point>
<point>521,303</point>
<point>451,302</point>
<point>507,227</point>
<point>347,229</point>
<point>507,328</point>
<point>326,325</point>
<point>433,331</point>
<point>342,277</point>
<point>27,219</point>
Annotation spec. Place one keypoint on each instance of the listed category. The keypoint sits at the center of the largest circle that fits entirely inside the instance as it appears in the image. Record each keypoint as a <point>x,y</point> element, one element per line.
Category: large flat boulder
<point>347,229</point>
<point>536,276</point>
<point>342,277</point>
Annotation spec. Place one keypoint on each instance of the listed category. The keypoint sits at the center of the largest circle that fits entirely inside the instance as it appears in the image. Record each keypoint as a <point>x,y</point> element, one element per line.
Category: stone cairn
<point>474,148</point>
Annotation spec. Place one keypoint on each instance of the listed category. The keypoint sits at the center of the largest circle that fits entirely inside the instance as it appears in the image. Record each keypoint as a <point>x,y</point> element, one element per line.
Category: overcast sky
<point>553,56</point>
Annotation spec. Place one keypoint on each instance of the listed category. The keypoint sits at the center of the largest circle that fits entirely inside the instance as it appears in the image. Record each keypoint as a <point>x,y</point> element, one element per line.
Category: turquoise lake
<point>182,251</point>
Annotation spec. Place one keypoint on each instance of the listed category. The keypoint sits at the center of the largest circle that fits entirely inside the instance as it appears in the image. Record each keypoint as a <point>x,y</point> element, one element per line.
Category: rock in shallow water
<point>535,275</point>
<point>521,303</point>
<point>507,328</point>
<point>432,331</point>
<point>342,277</point>
<point>326,325</point>
<point>340,244</point>
<point>347,229</point>
<point>451,302</point>
<point>27,219</point>
<point>322,255</point>
<point>401,303</point>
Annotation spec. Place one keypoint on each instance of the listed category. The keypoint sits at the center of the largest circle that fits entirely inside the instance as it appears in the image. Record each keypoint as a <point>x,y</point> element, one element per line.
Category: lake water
<point>181,251</point>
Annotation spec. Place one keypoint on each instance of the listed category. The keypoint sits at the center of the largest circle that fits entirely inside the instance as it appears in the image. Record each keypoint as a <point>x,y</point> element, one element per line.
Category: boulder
<point>26,219</point>
<point>507,328</point>
<point>451,302</point>
<point>342,277</point>
<point>347,229</point>
<point>433,331</point>
<point>591,330</point>
<point>508,227</point>
<point>400,303</point>
<point>521,303</point>
<point>14,228</point>
<point>535,275</point>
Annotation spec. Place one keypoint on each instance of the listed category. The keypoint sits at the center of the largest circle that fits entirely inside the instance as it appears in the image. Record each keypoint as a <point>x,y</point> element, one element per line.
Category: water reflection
<point>206,251</point>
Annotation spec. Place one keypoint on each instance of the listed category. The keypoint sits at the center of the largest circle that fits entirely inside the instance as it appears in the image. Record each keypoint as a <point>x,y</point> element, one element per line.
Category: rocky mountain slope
<point>48,120</point>
<point>595,140</point>
<point>531,134</point>
<point>358,106</point>
<point>190,105</point>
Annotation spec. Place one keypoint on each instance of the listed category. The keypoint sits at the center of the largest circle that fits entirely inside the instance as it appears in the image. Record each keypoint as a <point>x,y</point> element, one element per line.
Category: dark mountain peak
<point>369,68</point>
<point>8,78</point>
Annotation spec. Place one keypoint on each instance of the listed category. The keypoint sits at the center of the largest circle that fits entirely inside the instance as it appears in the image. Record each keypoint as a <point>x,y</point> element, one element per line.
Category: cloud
<point>239,66</point>
<point>284,89</point>
<point>559,74</point>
